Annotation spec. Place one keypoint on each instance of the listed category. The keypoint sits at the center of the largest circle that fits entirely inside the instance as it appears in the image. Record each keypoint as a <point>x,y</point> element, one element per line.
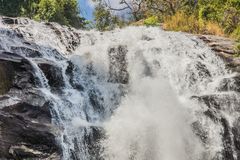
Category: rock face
<point>217,103</point>
<point>224,47</point>
<point>26,129</point>
<point>118,65</point>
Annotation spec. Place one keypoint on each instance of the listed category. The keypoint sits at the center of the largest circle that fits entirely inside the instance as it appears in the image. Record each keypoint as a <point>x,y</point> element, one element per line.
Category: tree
<point>103,18</point>
<point>71,12</point>
<point>29,8</point>
<point>65,12</point>
<point>11,8</point>
<point>132,7</point>
<point>165,7</point>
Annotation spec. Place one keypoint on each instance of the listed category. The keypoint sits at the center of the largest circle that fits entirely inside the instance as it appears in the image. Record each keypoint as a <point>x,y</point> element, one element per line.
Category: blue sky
<point>86,9</point>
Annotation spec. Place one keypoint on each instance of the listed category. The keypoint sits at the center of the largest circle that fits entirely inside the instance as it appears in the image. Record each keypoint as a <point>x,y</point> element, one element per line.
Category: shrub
<point>214,29</point>
<point>182,22</point>
<point>237,49</point>
<point>208,12</point>
<point>151,21</point>
<point>236,34</point>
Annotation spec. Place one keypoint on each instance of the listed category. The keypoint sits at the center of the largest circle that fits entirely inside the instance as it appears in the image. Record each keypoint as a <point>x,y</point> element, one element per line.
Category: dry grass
<point>214,29</point>
<point>182,22</point>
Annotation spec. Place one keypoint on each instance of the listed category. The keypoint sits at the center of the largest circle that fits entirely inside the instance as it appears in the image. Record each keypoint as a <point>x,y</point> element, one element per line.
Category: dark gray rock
<point>118,65</point>
<point>236,136</point>
<point>26,51</point>
<point>16,72</point>
<point>72,79</point>
<point>26,132</point>
<point>25,123</point>
<point>219,44</point>
<point>8,20</point>
<point>53,74</point>
<point>68,36</point>
<point>230,84</point>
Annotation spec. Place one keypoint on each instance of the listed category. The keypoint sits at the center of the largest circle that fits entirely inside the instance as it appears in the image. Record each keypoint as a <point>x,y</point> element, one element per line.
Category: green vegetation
<point>151,21</point>
<point>65,12</point>
<point>104,20</point>
<point>237,49</point>
<point>218,17</point>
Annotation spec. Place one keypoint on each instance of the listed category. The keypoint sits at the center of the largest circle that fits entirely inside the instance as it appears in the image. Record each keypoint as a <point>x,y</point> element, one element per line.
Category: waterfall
<point>137,93</point>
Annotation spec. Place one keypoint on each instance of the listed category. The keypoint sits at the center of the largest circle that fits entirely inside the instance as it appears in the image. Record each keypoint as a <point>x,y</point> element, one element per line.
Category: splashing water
<point>151,124</point>
<point>139,93</point>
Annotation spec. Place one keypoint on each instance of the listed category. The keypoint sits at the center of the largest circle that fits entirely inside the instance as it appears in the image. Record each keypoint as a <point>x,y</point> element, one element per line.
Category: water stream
<point>139,93</point>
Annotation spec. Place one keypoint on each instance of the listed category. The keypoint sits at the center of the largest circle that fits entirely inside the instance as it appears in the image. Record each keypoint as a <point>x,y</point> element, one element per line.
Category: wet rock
<point>96,100</point>
<point>146,38</point>
<point>70,73</point>
<point>212,114</point>
<point>208,100</point>
<point>25,51</point>
<point>236,136</point>
<point>230,84</point>
<point>53,74</point>
<point>68,36</point>
<point>6,77</point>
<point>56,54</point>
<point>227,141</point>
<point>38,114</point>
<point>25,132</point>
<point>200,132</point>
<point>118,65</point>
<point>16,72</point>
<point>9,20</point>
<point>93,139</point>
<point>25,115</point>
<point>196,72</point>
<point>225,102</point>
<point>219,44</point>
<point>224,48</point>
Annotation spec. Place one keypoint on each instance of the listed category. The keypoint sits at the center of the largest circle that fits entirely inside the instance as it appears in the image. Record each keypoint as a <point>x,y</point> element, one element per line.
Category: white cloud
<point>90,3</point>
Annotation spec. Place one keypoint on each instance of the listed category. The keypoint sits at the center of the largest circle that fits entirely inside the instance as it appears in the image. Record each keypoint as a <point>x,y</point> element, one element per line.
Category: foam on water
<point>148,113</point>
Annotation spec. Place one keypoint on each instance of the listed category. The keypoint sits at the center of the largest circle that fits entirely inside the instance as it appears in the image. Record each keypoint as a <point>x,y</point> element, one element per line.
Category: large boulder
<point>26,130</point>
<point>118,64</point>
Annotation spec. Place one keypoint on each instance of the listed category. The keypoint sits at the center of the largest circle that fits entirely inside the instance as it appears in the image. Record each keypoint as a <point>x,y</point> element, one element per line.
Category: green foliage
<point>29,9</point>
<point>65,12</point>
<point>237,50</point>
<point>151,21</point>
<point>224,12</point>
<point>48,10</point>
<point>236,33</point>
<point>11,7</point>
<point>104,20</point>
<point>208,13</point>
<point>215,16</point>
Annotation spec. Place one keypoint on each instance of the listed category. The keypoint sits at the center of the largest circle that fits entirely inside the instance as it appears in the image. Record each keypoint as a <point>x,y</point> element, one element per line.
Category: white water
<point>149,118</point>
<point>151,124</point>
<point>154,119</point>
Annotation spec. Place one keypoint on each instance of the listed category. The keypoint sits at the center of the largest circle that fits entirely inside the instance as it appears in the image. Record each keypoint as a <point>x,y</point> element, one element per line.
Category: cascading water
<point>138,93</point>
